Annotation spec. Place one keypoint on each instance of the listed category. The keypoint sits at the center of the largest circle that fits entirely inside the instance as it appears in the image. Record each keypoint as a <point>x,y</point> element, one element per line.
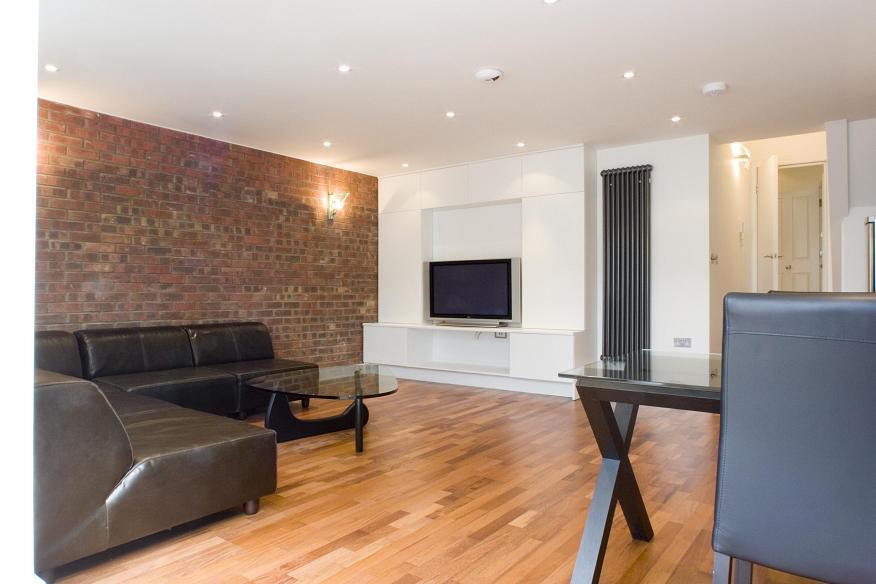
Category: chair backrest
<point>797,468</point>
<point>81,451</point>
<point>57,351</point>
<point>133,350</point>
<point>230,342</point>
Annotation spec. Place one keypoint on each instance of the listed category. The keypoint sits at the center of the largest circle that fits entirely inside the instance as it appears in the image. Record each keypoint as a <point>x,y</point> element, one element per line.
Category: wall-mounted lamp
<point>741,155</point>
<point>335,203</point>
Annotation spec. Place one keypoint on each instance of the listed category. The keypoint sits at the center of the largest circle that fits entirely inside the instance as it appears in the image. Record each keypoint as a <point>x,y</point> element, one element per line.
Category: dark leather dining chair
<point>796,487</point>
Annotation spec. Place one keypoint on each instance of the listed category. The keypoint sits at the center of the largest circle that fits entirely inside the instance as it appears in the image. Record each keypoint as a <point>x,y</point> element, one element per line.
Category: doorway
<point>800,232</point>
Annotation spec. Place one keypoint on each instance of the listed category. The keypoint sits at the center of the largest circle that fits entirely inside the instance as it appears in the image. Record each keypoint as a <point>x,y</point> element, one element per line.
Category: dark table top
<point>340,382</point>
<point>683,381</point>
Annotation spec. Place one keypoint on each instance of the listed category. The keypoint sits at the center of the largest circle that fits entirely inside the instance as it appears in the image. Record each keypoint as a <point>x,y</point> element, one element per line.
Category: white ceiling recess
<point>272,68</point>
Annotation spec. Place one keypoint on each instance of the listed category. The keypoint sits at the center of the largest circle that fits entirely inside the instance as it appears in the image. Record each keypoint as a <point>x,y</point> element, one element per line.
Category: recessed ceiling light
<point>521,144</point>
<point>344,68</point>
<point>550,1</point>
<point>629,74</point>
<point>327,144</point>
<point>450,114</point>
<point>675,119</point>
<point>217,114</point>
<point>51,68</point>
<point>405,165</point>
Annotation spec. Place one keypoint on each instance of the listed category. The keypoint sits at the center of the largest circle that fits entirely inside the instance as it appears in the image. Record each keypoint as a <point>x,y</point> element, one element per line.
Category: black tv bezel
<point>510,285</point>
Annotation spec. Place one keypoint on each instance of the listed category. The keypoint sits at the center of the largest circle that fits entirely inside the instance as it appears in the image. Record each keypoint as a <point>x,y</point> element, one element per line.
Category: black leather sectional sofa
<point>113,463</point>
<point>203,367</point>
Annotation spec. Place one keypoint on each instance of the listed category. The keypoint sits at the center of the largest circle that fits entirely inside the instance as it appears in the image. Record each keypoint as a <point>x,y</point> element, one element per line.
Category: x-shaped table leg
<point>613,430</point>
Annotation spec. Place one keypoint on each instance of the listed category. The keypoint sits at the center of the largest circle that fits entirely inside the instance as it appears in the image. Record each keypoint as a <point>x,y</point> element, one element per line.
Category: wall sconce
<point>741,155</point>
<point>335,203</point>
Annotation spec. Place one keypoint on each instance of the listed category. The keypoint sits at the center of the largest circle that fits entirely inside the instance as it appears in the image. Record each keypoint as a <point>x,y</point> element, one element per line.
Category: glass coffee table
<point>347,382</point>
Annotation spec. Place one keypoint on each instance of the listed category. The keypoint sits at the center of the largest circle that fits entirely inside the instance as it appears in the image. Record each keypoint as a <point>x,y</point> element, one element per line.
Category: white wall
<point>861,156</point>
<point>730,212</point>
<point>679,235</point>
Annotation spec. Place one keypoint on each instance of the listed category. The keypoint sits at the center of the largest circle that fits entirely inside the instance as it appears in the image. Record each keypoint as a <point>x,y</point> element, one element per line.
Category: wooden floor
<point>455,485</point>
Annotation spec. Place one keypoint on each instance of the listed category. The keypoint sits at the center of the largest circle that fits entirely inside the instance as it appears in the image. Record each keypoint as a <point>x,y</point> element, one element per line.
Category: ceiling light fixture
<point>521,145</point>
<point>405,165</point>
<point>675,119</point>
<point>344,68</point>
<point>217,114</point>
<point>450,114</point>
<point>51,68</point>
<point>629,74</point>
<point>714,89</point>
<point>550,1</point>
<point>327,144</point>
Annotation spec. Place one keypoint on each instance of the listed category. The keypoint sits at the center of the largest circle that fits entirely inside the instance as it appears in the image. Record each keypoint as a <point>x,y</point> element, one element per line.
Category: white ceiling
<point>271,66</point>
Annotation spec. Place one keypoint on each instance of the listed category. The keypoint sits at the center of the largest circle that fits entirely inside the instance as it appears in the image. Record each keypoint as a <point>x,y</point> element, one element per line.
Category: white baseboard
<point>557,388</point>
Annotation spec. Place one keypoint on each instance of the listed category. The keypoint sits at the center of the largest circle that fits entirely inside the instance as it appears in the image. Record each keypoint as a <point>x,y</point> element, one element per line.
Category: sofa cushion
<point>187,464</point>
<point>108,352</point>
<point>229,342</point>
<point>191,387</point>
<point>57,351</point>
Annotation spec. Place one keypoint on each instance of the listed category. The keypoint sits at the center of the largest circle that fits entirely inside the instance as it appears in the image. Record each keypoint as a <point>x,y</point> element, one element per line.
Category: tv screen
<point>479,289</point>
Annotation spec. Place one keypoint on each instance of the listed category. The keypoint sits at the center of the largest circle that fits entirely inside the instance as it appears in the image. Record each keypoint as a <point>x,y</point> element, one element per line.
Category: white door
<point>768,225</point>
<point>800,233</point>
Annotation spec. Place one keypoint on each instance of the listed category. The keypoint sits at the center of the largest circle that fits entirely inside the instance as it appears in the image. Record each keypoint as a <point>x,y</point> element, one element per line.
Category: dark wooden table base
<point>280,419</point>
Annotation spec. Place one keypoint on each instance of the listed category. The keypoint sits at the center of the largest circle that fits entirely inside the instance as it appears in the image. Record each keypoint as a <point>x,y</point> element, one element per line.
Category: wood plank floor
<point>457,485</point>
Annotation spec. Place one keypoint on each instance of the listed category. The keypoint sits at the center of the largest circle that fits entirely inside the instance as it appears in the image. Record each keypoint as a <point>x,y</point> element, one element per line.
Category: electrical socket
<point>681,342</point>
<point>500,335</point>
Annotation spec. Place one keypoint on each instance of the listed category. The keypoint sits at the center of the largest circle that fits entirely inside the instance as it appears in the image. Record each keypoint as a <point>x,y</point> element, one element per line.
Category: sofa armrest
<point>81,451</point>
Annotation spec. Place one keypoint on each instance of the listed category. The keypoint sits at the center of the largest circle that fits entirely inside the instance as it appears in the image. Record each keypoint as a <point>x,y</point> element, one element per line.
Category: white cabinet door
<point>554,262</point>
<point>384,345</point>
<point>495,180</point>
<point>554,172</point>
<point>398,193</point>
<point>444,187</point>
<point>400,257</point>
<point>536,356</point>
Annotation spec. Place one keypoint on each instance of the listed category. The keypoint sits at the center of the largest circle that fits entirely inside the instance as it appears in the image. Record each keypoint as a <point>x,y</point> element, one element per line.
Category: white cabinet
<point>444,187</point>
<point>495,180</point>
<point>554,172</point>
<point>554,261</point>
<point>398,193</point>
<point>384,344</point>
<point>518,359</point>
<point>536,356</point>
<point>400,256</point>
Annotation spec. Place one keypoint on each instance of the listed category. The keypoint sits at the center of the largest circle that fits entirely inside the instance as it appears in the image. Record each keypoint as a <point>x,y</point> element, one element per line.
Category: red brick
<point>144,225</point>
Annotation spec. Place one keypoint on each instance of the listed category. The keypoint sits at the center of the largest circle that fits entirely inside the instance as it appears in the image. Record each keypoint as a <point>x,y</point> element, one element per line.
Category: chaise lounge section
<point>113,466</point>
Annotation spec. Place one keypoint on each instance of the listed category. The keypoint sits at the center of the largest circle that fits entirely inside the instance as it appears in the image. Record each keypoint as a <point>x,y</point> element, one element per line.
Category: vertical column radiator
<point>626,221</point>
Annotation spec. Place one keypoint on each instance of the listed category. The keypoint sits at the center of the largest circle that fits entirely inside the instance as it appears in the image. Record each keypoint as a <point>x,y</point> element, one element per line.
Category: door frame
<point>823,240</point>
<point>825,221</point>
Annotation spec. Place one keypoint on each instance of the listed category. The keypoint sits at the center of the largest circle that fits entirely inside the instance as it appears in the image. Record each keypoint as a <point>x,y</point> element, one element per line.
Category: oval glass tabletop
<point>340,382</point>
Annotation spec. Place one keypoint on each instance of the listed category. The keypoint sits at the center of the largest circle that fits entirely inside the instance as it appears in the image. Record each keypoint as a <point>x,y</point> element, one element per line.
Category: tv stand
<point>512,358</point>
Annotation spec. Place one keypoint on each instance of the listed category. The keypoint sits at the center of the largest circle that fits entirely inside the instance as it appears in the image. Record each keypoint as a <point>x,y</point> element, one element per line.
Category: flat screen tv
<point>475,291</point>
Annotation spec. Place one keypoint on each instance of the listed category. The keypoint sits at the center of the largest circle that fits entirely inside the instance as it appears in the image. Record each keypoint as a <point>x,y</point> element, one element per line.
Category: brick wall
<point>142,225</point>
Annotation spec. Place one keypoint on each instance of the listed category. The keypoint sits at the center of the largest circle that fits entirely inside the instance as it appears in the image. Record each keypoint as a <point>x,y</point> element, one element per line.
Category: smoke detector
<point>715,88</point>
<point>488,74</point>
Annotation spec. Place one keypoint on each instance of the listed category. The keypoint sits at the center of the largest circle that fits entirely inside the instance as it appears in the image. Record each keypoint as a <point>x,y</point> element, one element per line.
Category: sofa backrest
<point>57,351</point>
<point>133,350</point>
<point>229,342</point>
<point>81,451</point>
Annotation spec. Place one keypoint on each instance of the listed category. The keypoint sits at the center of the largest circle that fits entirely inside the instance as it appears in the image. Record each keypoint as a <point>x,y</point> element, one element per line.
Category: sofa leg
<point>251,507</point>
